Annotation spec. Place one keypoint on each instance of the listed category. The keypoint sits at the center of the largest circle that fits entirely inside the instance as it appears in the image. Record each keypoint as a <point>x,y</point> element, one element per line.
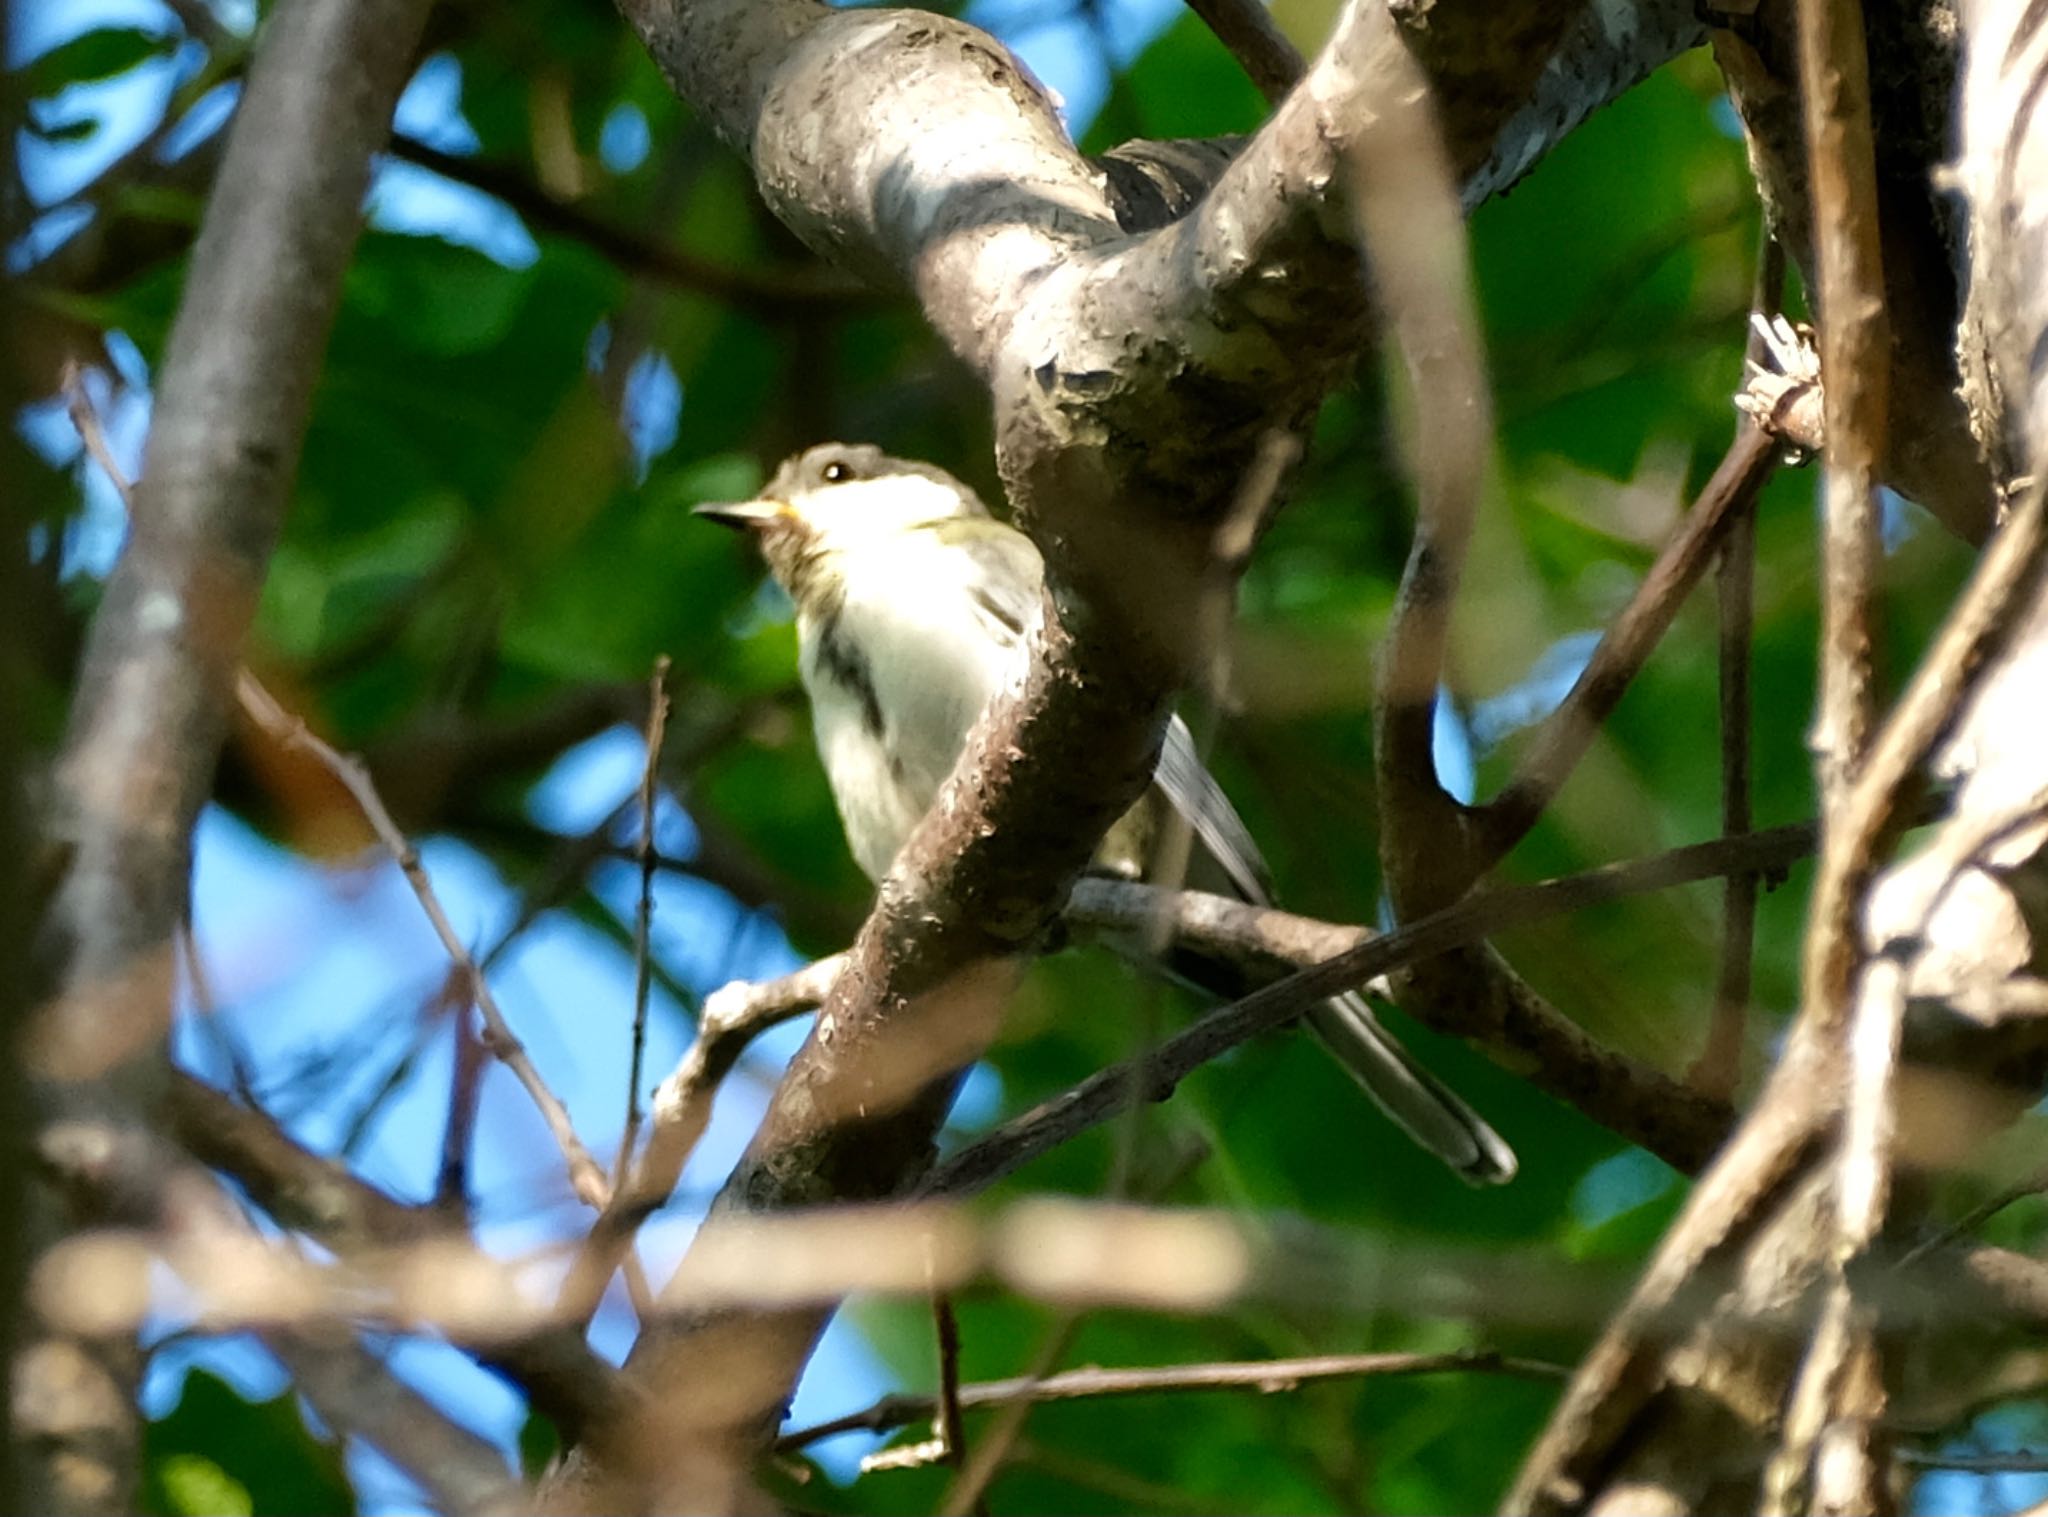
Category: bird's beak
<point>743,515</point>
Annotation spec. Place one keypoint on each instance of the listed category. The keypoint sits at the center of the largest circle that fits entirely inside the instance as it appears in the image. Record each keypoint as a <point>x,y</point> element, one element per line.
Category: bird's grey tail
<point>1420,1104</point>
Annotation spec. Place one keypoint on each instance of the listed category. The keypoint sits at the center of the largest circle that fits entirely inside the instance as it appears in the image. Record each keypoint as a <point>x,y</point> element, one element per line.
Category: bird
<point>913,603</point>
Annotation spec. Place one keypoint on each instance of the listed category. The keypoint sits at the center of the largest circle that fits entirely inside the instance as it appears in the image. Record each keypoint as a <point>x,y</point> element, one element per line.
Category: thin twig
<point>1346,957</point>
<point>969,1492</point>
<point>263,709</point>
<point>1718,1070</point>
<point>1261,49</point>
<point>643,919</point>
<point>952,1425</point>
<point>2005,1462</point>
<point>2034,1185</point>
<point>1266,1376</point>
<point>214,1027</point>
<point>1627,644</point>
<point>730,1019</point>
<point>465,1088</point>
<point>767,291</point>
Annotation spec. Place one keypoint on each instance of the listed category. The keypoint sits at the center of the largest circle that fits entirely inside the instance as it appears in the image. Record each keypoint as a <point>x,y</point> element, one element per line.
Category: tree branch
<point>1628,642</point>
<point>262,708</point>
<point>770,293</point>
<point>322,1198</point>
<point>1631,1099</point>
<point>1265,1376</point>
<point>1125,422</point>
<point>153,695</point>
<point>1261,49</point>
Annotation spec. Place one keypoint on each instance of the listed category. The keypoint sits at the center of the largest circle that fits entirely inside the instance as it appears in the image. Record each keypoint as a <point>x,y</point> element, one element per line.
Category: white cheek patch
<point>866,508</point>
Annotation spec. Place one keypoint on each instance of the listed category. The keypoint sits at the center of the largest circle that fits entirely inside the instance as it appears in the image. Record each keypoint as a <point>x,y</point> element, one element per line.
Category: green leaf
<point>95,55</point>
<point>77,129</point>
<point>539,1442</point>
<point>216,1452</point>
<point>196,1485</point>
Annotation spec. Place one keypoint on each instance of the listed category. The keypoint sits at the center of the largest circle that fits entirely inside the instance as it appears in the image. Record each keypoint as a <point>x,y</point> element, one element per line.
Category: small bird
<point>912,604</point>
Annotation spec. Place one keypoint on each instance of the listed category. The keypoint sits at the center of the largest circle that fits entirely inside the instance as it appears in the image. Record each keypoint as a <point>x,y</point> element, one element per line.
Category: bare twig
<point>1626,646</point>
<point>767,292</point>
<point>968,1493</point>
<point>263,709</point>
<point>730,1019</point>
<point>1261,49</point>
<point>465,1089</point>
<point>952,1425</point>
<point>643,920</point>
<point>1718,1070</point>
<point>315,1195</point>
<point>1266,1376</point>
<point>1676,1123</point>
<point>2004,1462</point>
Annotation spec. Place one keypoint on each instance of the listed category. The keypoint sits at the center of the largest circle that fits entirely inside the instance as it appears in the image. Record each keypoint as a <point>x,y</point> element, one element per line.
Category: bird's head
<point>837,499</point>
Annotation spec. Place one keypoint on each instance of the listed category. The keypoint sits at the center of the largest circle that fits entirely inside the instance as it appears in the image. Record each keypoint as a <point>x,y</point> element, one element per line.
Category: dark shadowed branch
<point>1261,49</point>
<point>1268,1377</point>
<point>1630,1098</point>
<point>1625,647</point>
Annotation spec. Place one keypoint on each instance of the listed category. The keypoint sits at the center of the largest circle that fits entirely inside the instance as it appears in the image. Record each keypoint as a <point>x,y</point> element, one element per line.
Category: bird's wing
<point>1194,793</point>
<point>1005,574</point>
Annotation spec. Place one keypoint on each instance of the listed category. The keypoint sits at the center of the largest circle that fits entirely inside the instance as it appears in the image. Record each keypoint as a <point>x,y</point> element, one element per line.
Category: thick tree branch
<point>153,697</point>
<point>1934,461</point>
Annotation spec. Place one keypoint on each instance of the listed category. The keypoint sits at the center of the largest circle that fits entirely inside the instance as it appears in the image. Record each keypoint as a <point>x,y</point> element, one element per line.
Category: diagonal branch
<point>1641,1104</point>
<point>1628,642</point>
<point>320,1197</point>
<point>1261,49</point>
<point>263,709</point>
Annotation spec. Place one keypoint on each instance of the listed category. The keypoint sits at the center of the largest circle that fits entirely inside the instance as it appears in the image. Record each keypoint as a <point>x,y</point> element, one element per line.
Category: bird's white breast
<point>931,667</point>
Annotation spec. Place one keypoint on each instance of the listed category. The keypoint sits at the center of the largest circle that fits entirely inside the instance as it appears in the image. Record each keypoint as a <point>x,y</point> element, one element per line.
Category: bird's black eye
<point>837,473</point>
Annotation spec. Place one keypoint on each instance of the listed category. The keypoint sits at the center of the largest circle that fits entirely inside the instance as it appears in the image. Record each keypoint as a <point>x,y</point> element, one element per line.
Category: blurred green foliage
<point>217,1454</point>
<point>473,537</point>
